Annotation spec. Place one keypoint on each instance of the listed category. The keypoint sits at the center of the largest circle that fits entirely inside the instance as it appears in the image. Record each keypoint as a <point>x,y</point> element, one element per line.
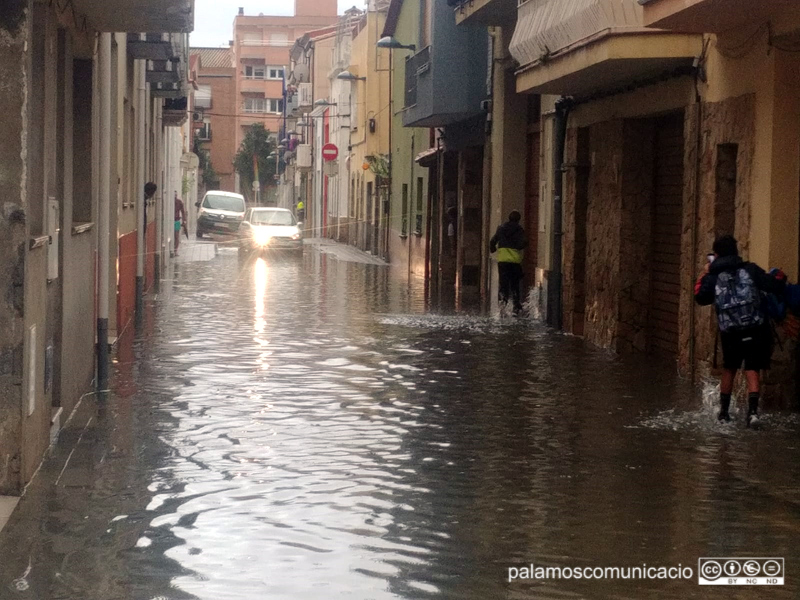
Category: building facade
<point>214,114</point>
<point>261,49</point>
<point>87,112</point>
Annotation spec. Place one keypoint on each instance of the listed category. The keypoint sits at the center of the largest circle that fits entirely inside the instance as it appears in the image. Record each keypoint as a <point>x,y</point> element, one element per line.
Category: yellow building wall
<point>371,101</point>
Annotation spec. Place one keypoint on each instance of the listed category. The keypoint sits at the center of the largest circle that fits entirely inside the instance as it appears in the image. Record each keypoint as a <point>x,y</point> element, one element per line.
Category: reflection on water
<point>300,428</point>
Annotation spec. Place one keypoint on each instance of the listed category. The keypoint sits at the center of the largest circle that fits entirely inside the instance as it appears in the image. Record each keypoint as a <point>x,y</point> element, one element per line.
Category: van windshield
<point>229,203</point>
<point>272,217</point>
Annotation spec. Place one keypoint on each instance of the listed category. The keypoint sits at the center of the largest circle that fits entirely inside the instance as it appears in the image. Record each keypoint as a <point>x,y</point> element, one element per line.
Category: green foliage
<point>256,142</point>
<point>209,176</point>
<point>379,164</point>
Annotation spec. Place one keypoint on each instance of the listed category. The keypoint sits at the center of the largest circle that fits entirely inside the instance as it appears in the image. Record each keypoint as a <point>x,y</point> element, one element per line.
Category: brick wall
<point>222,146</point>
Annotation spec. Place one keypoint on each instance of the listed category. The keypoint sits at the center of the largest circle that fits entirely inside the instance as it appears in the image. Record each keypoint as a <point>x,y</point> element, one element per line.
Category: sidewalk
<point>344,252</point>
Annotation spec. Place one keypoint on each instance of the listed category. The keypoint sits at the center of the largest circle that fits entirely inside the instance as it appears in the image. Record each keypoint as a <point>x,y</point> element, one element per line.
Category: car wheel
<point>199,234</point>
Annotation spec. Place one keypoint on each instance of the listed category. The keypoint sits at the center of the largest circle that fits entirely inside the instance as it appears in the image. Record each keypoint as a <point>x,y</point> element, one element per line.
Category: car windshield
<point>272,217</point>
<point>230,203</point>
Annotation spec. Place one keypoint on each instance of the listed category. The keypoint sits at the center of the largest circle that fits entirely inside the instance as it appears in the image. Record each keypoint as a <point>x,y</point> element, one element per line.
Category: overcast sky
<point>214,18</point>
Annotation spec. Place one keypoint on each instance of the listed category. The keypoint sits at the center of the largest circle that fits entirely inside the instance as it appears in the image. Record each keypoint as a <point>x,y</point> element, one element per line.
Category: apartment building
<point>261,53</point>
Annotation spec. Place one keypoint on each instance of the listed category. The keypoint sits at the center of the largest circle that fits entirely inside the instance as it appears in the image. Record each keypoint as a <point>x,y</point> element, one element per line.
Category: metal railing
<point>416,64</point>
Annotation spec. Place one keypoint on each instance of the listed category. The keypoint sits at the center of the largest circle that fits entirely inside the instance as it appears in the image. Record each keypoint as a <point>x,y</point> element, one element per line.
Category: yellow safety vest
<point>509,255</point>
<point>301,205</point>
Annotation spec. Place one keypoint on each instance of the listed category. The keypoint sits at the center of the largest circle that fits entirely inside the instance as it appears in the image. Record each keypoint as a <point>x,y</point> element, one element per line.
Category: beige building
<point>651,128</point>
<point>89,116</point>
<point>368,78</point>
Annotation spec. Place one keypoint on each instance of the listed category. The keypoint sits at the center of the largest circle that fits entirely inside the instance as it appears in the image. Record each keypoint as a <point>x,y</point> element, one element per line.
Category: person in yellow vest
<point>509,242</point>
<point>301,211</point>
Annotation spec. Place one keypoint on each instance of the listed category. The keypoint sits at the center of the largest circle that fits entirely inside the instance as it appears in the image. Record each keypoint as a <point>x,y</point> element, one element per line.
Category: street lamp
<point>323,102</point>
<point>348,76</point>
<point>391,43</point>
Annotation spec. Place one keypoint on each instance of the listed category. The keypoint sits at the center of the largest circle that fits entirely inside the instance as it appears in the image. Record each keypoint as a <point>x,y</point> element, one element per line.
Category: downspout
<point>696,212</point>
<point>488,159</point>
<point>140,204</point>
<point>554,304</point>
<point>410,211</point>
<point>159,206</point>
<point>388,214</point>
<point>103,212</point>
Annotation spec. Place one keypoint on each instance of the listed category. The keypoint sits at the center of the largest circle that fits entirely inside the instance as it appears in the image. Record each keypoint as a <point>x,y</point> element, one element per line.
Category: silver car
<point>266,229</point>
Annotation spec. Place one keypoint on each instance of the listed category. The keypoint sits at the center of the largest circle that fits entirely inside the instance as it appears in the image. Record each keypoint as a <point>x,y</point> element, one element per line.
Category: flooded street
<point>302,428</point>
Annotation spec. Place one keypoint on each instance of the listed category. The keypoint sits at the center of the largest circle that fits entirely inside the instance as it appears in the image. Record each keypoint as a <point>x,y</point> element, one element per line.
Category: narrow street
<point>303,428</point>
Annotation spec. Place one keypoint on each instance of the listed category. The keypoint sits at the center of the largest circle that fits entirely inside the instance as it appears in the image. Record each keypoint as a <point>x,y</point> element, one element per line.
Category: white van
<point>220,212</point>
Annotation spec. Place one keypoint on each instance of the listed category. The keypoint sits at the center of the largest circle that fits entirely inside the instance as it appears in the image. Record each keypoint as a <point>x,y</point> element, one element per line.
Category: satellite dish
<point>301,74</point>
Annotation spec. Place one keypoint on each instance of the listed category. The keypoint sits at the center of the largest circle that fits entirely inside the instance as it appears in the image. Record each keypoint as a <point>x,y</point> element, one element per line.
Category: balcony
<point>486,12</point>
<point>583,47</point>
<point>139,15</point>
<point>446,81</point>
<point>717,16</point>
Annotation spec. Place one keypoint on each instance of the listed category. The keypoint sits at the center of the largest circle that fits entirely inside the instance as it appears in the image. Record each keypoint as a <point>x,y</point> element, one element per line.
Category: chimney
<point>241,10</point>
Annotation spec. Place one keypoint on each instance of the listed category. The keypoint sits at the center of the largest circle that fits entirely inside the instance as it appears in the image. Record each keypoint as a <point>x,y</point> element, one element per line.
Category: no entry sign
<point>330,152</point>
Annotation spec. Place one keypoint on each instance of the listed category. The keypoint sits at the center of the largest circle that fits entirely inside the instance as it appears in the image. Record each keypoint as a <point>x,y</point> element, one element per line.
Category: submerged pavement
<point>302,428</point>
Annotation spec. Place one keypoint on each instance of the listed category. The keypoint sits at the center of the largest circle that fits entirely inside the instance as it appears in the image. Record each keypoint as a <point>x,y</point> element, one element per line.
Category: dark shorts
<point>753,347</point>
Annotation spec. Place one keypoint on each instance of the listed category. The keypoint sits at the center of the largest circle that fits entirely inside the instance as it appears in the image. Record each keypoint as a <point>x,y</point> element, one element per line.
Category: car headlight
<point>261,237</point>
<point>296,236</point>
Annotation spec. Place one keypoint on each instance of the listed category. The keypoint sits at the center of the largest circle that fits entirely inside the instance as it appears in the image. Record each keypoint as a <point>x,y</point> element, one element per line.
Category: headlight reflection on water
<point>261,275</point>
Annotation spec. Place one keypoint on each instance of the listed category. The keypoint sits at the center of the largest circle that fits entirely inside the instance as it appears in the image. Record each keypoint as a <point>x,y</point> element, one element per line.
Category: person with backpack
<point>509,242</point>
<point>735,287</point>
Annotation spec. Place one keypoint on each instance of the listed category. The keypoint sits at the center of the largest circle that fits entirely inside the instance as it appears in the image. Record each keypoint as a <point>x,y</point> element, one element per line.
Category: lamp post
<point>390,42</point>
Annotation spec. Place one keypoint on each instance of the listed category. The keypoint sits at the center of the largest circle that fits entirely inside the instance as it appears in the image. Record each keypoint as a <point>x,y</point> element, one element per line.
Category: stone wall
<point>728,122</point>
<point>14,75</point>
<point>604,234</point>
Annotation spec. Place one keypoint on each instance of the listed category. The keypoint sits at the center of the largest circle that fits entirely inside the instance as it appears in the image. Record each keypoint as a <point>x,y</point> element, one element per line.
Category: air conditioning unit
<point>303,156</point>
<point>305,95</point>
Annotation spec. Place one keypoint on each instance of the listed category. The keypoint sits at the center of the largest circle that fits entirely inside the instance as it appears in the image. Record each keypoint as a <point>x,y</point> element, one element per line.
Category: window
<point>204,133</point>
<point>279,39</point>
<point>202,96</point>
<point>255,72</point>
<point>263,105</point>
<point>275,72</point>
<point>251,38</point>
<point>725,201</point>
<point>404,228</point>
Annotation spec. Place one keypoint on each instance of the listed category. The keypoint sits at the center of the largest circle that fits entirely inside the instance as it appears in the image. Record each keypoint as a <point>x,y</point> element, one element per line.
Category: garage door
<point>667,217</point>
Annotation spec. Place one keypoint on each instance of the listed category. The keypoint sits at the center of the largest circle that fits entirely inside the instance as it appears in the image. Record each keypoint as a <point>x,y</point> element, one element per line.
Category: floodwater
<point>303,429</point>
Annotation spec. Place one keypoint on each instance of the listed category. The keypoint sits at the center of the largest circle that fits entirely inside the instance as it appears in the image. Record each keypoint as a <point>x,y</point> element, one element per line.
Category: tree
<point>208,175</point>
<point>256,143</point>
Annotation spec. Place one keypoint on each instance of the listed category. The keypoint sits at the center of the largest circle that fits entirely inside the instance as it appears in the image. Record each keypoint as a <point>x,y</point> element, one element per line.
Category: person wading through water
<point>735,288</point>
<point>509,242</point>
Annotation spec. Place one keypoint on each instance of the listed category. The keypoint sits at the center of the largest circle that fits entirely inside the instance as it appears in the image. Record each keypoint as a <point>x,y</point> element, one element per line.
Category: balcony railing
<point>272,43</point>
<point>416,65</point>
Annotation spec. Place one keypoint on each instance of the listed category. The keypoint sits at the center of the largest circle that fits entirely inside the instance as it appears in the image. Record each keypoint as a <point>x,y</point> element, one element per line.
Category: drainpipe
<point>140,176</point>
<point>103,212</point>
<point>409,235</point>
<point>695,235</point>
<point>386,217</point>
<point>159,207</point>
<point>554,308</point>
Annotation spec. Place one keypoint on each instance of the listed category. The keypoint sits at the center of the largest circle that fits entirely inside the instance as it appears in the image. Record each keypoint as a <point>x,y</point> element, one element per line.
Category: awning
<point>428,158</point>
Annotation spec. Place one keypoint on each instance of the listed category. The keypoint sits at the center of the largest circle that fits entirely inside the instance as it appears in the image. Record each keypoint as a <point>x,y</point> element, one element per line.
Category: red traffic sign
<point>330,152</point>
